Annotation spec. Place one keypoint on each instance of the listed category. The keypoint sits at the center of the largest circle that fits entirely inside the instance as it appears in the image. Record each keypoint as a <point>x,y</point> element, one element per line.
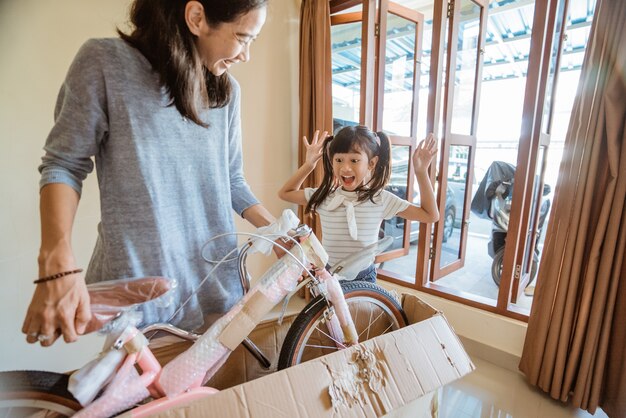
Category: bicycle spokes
<point>338,344</point>
<point>369,327</point>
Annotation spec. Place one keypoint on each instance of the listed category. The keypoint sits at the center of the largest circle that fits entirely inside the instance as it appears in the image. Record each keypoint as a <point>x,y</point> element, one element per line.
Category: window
<point>467,53</point>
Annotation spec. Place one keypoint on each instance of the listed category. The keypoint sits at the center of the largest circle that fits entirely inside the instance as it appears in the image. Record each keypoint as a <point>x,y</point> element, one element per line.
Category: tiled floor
<point>491,391</point>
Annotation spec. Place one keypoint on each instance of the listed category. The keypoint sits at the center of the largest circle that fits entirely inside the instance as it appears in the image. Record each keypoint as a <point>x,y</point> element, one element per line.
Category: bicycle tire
<point>496,267</point>
<point>307,338</point>
<point>23,393</point>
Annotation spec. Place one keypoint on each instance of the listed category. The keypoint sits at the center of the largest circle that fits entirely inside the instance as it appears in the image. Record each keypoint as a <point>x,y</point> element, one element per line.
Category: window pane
<point>424,80</point>
<point>346,71</point>
<point>398,186</point>
<point>505,63</point>
<point>425,7</point>
<point>399,74</point>
<point>466,62</point>
<point>455,202</point>
<point>554,55</point>
<point>539,194</point>
<point>404,266</point>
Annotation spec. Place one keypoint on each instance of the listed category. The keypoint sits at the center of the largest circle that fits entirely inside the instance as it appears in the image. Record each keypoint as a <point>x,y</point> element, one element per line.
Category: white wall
<point>37,43</point>
<point>38,40</point>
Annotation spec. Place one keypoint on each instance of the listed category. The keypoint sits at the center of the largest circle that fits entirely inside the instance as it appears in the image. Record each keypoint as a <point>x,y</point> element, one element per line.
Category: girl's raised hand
<point>424,153</point>
<point>314,149</point>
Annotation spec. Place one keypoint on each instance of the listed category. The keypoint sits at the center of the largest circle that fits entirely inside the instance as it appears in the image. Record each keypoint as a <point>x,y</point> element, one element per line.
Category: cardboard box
<point>370,379</point>
<point>241,366</point>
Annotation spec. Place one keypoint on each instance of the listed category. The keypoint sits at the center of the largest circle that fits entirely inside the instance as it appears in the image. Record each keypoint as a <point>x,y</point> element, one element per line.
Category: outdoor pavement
<point>475,277</point>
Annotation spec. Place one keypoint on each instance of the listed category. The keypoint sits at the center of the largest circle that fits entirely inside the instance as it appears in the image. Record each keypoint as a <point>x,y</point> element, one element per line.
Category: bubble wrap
<point>192,365</point>
<point>287,221</point>
<point>338,299</point>
<point>125,390</point>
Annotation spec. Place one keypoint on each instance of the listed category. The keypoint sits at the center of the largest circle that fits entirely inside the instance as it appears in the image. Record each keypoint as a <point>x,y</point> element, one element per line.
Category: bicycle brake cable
<point>225,258</point>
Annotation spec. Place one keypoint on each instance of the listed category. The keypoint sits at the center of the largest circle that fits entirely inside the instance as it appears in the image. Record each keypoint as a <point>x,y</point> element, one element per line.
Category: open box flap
<point>402,366</point>
<point>417,310</point>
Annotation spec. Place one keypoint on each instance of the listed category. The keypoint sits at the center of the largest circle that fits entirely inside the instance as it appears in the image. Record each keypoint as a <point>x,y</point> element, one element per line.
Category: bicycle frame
<point>128,384</point>
<point>319,282</point>
<point>182,379</point>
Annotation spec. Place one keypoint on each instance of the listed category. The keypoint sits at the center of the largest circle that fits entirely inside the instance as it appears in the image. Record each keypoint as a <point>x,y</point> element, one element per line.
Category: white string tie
<point>339,200</point>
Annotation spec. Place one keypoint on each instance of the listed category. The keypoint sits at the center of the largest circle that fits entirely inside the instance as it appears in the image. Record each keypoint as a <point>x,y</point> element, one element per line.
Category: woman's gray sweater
<point>166,184</point>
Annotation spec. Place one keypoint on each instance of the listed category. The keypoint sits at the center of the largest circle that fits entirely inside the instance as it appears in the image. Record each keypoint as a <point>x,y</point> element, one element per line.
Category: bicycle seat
<point>110,299</point>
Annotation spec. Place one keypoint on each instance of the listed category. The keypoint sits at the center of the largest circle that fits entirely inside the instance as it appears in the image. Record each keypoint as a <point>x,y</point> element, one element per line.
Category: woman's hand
<point>424,154</point>
<point>315,149</point>
<point>58,307</point>
<point>284,243</point>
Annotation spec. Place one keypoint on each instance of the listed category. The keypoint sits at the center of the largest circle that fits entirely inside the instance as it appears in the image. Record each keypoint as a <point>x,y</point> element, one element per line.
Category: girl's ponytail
<point>382,170</point>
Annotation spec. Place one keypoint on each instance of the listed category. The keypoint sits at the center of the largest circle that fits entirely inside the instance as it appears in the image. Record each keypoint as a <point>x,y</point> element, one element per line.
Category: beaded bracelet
<point>56,276</point>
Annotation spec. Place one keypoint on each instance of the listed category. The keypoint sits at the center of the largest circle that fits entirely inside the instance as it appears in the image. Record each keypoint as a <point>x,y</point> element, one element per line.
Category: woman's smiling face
<point>229,43</point>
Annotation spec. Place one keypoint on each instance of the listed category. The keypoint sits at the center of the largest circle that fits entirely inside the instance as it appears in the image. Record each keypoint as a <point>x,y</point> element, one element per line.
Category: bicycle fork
<point>340,325</point>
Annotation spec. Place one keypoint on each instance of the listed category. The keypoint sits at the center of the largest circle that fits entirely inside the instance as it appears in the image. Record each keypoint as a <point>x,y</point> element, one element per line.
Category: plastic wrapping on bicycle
<point>111,298</point>
<point>114,374</point>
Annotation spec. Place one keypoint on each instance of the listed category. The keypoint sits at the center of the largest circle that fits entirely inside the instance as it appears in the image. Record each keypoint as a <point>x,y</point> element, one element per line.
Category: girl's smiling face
<point>352,169</point>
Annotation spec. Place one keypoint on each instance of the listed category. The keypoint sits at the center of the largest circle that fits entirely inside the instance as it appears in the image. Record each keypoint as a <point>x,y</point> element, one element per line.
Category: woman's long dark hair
<point>161,34</point>
<point>354,139</point>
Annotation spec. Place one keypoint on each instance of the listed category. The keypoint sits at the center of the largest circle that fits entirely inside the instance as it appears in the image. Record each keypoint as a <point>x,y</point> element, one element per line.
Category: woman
<point>160,115</point>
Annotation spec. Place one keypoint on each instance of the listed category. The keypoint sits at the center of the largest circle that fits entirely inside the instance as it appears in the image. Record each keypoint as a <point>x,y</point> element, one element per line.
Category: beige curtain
<point>575,347</point>
<point>315,82</point>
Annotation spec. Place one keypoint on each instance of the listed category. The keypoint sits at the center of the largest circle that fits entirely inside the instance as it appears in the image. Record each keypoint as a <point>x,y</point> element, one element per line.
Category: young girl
<point>351,201</point>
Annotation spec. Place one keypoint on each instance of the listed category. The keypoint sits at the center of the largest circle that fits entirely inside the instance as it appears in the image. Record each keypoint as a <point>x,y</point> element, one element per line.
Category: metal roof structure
<point>507,46</point>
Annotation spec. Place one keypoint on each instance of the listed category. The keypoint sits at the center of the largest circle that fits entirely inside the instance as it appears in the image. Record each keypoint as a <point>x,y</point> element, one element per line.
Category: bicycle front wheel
<point>36,393</point>
<point>374,312</point>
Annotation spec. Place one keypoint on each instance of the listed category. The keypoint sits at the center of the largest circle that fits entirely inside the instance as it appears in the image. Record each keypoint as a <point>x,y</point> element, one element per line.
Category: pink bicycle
<point>340,315</point>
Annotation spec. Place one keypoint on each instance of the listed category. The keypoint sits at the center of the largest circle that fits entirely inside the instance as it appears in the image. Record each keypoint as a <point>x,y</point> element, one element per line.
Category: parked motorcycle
<point>493,200</point>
